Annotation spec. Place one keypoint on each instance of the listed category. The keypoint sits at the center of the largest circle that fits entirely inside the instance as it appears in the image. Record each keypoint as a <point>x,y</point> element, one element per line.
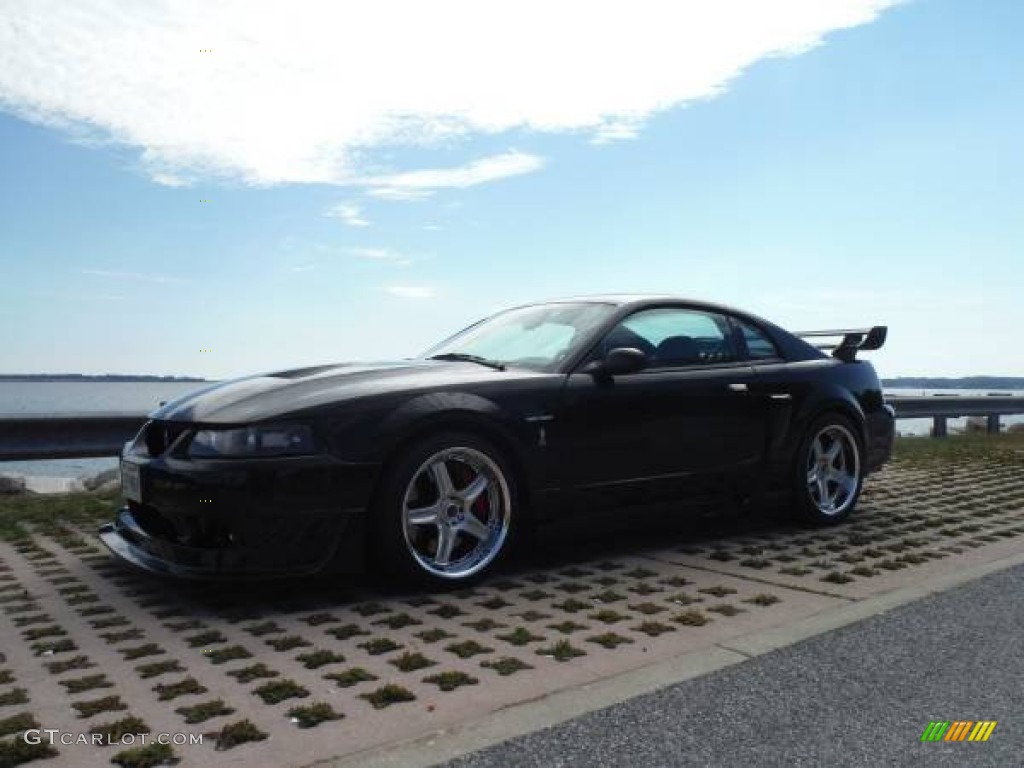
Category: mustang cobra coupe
<point>430,466</point>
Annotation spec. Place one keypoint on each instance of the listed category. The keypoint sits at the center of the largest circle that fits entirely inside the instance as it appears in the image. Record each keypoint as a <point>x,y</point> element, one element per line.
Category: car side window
<point>673,337</point>
<point>759,346</point>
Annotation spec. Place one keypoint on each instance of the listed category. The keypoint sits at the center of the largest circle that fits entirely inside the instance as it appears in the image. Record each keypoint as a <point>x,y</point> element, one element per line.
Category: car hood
<point>271,395</point>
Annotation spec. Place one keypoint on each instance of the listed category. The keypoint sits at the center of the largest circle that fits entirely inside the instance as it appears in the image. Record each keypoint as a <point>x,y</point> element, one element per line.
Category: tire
<point>828,473</point>
<point>446,511</point>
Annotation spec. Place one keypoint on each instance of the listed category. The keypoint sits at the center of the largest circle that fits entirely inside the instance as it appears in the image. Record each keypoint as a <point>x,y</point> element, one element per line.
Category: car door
<point>682,425</point>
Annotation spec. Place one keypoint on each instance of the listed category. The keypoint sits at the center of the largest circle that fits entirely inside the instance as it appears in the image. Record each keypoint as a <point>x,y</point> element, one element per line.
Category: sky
<point>207,188</point>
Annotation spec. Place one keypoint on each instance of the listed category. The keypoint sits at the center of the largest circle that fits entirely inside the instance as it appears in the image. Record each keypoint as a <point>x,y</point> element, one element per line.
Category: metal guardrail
<point>66,435</point>
<point>941,408</point>
<point>85,435</point>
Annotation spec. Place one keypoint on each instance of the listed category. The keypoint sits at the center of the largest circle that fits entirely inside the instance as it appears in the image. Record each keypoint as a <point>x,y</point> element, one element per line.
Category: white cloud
<point>309,94</point>
<point>414,185</point>
<point>133,276</point>
<point>411,291</point>
<point>380,254</point>
<point>350,213</point>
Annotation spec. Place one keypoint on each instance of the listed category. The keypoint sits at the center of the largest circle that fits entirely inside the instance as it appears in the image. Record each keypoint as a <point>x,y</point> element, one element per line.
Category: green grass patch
<point>66,665</point>
<point>654,628</point>
<point>563,650</point>
<point>50,647</point>
<point>647,609</point>
<point>158,668</point>
<point>567,627</point>
<point>350,677</point>
<point>264,628</point>
<point>233,734</point>
<point>447,611</point>
<point>608,616</point>
<point>763,599</point>
<point>520,636</point>
<point>397,621</point>
<point>312,715</point>
<point>145,757</point>
<point>288,642</point>
<point>609,640</point>
<point>572,605</point>
<point>206,638</point>
<point>253,672</point>
<point>113,621</point>
<point>113,731</point>
<point>387,695</point>
<point>410,662</point>
<point>506,665</point>
<point>370,609</point>
<point>87,683</point>
<point>449,681</point>
<point>279,690</point>
<point>347,631</point>
<point>120,637</point>
<point>380,645</point>
<point>141,651</point>
<point>224,655</point>
<point>434,635</point>
<point>319,658</point>
<point>14,696</point>
<point>17,751</point>
<point>17,723</point>
<point>691,618</point>
<point>95,706</point>
<point>725,609</point>
<point>484,625</point>
<point>186,687</point>
<point>316,619</point>
<point>467,649</point>
<point>200,713</point>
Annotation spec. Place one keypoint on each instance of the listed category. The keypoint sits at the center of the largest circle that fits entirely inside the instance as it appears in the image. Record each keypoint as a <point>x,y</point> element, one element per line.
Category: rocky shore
<point>106,480</point>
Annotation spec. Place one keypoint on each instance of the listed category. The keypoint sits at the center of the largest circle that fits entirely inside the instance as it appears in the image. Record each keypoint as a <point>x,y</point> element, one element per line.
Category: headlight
<point>269,440</point>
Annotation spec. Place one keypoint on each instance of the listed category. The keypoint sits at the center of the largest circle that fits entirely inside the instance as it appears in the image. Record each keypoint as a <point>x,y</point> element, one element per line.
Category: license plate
<point>131,482</point>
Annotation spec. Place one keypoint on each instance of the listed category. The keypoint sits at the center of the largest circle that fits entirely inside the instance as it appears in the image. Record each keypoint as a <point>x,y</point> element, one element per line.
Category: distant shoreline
<point>964,382</point>
<point>105,377</point>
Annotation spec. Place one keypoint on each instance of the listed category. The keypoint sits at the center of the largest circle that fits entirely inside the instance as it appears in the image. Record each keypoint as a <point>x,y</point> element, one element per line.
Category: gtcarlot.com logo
<point>53,736</point>
<point>958,730</point>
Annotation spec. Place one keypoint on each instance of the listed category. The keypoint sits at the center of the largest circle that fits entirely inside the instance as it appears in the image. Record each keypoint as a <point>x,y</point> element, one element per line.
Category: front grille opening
<point>161,435</point>
<point>185,530</point>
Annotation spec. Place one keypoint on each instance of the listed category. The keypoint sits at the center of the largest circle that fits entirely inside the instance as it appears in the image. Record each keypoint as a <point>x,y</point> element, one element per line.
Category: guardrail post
<point>993,423</point>
<point>939,427</point>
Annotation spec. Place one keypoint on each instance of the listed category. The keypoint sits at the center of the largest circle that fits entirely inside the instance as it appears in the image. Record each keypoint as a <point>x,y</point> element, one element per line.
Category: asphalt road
<point>857,696</point>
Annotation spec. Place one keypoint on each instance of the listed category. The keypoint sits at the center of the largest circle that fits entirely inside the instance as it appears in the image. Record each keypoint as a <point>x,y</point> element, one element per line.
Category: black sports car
<point>430,466</point>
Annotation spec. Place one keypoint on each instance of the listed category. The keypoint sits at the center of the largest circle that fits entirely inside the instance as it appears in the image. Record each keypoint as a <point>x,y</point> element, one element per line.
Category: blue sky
<point>269,204</point>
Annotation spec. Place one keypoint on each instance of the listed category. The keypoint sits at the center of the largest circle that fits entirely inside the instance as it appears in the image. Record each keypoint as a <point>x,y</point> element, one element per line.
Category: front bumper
<point>230,519</point>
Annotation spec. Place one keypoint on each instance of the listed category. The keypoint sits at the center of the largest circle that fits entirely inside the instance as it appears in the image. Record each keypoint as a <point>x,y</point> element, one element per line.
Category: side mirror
<point>618,361</point>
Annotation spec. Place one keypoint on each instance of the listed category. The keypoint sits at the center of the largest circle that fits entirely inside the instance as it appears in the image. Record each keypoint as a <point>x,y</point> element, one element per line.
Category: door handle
<point>738,388</point>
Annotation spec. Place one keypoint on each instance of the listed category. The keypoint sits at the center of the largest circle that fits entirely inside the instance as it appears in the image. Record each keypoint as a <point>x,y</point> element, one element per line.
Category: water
<point>922,427</point>
<point>51,397</point>
<point>85,397</point>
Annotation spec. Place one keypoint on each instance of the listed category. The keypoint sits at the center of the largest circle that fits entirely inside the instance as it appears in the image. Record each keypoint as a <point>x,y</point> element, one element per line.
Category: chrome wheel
<point>456,512</point>
<point>833,470</point>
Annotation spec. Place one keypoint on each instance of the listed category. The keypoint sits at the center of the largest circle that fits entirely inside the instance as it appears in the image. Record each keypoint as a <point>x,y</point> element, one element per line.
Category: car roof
<point>637,300</point>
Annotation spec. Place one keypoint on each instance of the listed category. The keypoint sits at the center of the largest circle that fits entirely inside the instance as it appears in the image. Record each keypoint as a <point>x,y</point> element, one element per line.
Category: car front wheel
<point>447,510</point>
<point>829,471</point>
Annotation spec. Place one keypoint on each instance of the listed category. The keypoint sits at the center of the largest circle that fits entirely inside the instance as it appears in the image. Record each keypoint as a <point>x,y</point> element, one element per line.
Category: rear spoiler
<point>853,341</point>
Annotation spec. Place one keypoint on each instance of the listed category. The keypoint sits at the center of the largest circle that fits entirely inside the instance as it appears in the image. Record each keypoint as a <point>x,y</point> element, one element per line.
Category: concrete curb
<point>527,717</point>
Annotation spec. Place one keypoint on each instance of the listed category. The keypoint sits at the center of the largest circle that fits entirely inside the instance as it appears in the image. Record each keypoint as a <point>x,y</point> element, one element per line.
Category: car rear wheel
<point>447,510</point>
<point>829,472</point>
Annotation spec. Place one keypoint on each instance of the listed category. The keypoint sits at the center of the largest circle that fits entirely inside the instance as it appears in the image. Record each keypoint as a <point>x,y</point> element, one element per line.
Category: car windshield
<point>538,337</point>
